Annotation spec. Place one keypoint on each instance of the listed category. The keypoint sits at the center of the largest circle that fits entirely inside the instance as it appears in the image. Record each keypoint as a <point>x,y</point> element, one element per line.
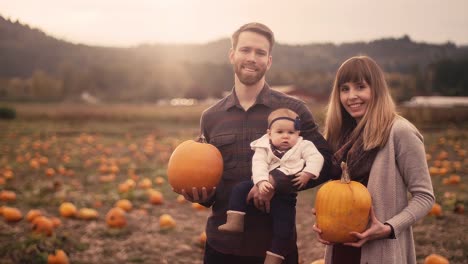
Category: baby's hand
<point>265,187</point>
<point>301,179</point>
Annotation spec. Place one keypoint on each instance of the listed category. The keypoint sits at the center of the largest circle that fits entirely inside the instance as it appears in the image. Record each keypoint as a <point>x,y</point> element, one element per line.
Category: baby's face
<point>283,135</point>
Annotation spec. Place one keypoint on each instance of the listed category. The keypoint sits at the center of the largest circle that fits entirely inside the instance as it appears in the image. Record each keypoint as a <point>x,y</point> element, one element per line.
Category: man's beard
<point>249,79</point>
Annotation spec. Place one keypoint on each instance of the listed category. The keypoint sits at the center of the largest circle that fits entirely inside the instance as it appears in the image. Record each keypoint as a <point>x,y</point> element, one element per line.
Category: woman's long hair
<point>376,123</point>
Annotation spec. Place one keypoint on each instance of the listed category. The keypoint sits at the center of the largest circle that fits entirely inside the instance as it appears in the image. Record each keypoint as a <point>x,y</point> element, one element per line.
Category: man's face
<point>251,58</point>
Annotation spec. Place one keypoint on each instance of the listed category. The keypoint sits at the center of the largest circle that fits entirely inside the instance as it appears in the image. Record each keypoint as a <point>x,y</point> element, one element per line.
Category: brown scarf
<point>359,162</point>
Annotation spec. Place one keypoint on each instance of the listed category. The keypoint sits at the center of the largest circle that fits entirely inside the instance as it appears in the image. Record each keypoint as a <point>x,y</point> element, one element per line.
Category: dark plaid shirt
<point>231,129</point>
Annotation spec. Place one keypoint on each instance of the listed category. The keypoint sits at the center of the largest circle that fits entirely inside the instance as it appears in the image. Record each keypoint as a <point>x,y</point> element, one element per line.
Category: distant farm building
<point>437,101</point>
<point>293,91</point>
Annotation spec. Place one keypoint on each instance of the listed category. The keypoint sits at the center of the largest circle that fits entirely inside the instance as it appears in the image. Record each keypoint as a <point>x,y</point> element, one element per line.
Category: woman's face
<point>355,98</point>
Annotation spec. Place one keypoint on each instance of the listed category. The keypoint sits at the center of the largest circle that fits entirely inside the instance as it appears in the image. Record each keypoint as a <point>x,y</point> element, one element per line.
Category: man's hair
<point>255,27</point>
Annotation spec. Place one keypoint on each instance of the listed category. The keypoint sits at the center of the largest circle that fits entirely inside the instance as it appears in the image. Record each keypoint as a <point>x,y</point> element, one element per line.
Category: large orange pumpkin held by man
<point>342,206</point>
<point>194,164</point>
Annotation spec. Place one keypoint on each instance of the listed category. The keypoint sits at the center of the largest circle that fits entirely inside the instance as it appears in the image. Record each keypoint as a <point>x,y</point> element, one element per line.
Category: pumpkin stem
<point>201,139</point>
<point>344,173</point>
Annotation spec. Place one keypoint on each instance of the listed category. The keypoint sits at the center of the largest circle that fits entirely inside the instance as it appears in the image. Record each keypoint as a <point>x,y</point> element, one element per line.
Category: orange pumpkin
<point>56,222</point>
<point>67,210</point>
<point>7,196</point>
<point>11,214</point>
<point>116,218</point>
<point>145,183</point>
<point>198,207</point>
<point>181,199</point>
<point>125,204</point>
<point>159,180</point>
<point>155,197</point>
<point>342,206</point>
<point>194,164</point>
<point>435,259</point>
<point>436,210</point>
<point>32,214</point>
<point>166,221</point>
<point>42,225</point>
<point>60,257</point>
<point>202,239</point>
<point>87,214</point>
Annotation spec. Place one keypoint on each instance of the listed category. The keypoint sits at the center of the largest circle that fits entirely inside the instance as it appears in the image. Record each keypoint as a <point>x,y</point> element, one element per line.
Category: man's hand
<point>197,195</point>
<point>301,179</point>
<point>261,201</point>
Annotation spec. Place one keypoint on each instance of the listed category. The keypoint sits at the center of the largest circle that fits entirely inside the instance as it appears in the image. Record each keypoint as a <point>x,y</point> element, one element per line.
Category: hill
<point>153,71</point>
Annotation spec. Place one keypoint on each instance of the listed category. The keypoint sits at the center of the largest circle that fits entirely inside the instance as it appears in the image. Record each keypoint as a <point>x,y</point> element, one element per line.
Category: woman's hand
<point>376,230</point>
<point>318,232</point>
<point>198,196</point>
<point>261,201</point>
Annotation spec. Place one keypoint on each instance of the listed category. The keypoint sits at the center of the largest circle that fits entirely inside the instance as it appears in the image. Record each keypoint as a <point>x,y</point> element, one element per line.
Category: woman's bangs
<point>353,71</point>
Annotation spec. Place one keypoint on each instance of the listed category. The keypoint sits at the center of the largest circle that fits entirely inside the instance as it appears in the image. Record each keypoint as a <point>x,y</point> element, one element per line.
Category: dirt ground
<point>143,241</point>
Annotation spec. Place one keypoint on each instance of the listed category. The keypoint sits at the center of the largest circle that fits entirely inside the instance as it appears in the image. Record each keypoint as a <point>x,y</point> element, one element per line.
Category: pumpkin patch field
<point>88,184</point>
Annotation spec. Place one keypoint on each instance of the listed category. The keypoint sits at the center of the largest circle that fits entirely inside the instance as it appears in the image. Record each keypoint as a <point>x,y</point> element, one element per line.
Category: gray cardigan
<point>399,168</point>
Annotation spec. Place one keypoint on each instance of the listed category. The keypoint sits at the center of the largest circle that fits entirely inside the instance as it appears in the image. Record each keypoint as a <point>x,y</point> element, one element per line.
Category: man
<point>230,125</point>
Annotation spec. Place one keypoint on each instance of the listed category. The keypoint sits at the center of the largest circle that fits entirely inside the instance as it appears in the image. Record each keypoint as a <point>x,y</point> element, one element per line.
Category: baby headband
<point>297,121</point>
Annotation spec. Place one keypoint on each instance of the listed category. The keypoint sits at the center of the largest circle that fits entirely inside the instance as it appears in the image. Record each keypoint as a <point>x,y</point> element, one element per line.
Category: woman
<point>383,151</point>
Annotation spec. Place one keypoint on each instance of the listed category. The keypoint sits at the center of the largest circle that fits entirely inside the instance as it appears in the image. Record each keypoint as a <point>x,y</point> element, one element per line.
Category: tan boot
<point>234,222</point>
<point>272,258</point>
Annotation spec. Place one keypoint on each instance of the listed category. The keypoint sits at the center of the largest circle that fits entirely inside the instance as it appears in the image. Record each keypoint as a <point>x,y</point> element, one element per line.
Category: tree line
<point>38,67</point>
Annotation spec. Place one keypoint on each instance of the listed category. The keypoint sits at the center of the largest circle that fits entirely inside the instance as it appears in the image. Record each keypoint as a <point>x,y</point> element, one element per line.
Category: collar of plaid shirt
<point>262,98</point>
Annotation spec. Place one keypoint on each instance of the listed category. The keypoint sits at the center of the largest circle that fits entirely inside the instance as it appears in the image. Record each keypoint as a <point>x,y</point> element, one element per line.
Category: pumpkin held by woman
<point>194,164</point>
<point>342,206</point>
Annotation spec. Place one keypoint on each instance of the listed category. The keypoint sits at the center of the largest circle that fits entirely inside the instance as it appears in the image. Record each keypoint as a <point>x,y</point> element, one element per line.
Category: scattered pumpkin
<point>116,218</point>
<point>166,221</point>
<point>198,207</point>
<point>194,164</point>
<point>145,183</point>
<point>33,213</point>
<point>435,259</point>
<point>202,239</point>
<point>107,178</point>
<point>436,210</point>
<point>7,196</point>
<point>123,187</point>
<point>67,209</point>
<point>50,172</point>
<point>155,197</point>
<point>125,204</point>
<point>8,174</point>
<point>159,180</point>
<point>56,222</point>
<point>11,214</point>
<point>42,225</point>
<point>454,179</point>
<point>60,257</point>
<point>342,206</point>
<point>88,214</point>
<point>459,208</point>
<point>181,199</point>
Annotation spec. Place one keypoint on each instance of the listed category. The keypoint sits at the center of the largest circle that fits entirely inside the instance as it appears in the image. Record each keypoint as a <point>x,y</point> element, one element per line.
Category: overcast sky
<point>133,22</point>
